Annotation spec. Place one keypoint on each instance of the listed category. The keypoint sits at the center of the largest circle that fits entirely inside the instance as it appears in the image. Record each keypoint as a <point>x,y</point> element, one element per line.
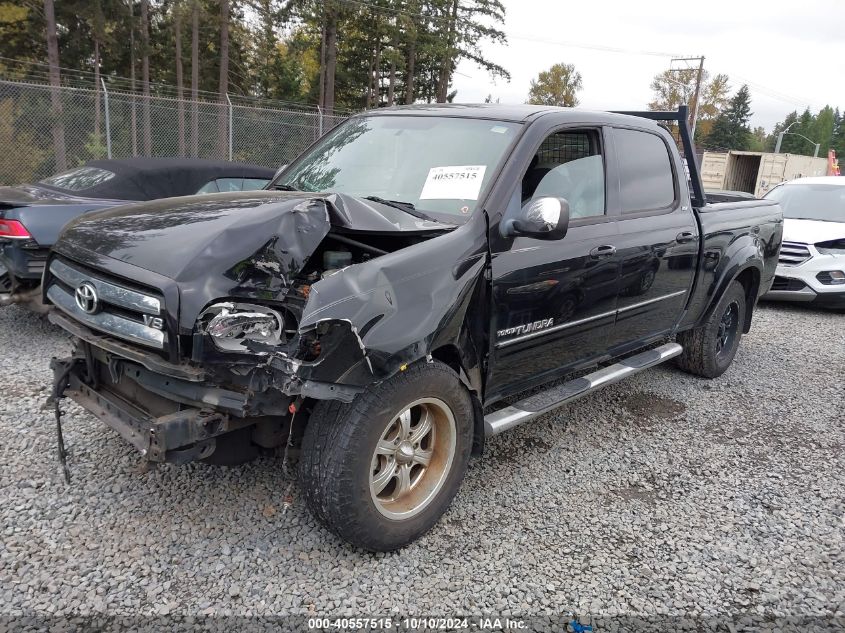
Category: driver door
<point>554,302</point>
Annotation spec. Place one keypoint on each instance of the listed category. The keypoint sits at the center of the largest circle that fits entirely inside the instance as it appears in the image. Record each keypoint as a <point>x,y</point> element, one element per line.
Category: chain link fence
<point>107,123</point>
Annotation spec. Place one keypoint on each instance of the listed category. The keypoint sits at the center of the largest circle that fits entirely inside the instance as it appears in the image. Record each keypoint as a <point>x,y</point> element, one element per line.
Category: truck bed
<point>734,233</point>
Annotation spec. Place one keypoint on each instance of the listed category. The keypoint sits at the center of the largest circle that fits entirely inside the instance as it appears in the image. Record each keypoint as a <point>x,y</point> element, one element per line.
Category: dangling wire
<point>289,475</point>
<point>59,385</point>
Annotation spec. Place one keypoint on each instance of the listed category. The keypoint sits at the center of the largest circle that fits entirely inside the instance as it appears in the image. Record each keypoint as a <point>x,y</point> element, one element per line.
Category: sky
<point>791,54</point>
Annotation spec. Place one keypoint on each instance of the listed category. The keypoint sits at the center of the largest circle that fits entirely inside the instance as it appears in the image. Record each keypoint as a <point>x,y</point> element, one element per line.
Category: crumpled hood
<point>812,231</point>
<point>189,238</point>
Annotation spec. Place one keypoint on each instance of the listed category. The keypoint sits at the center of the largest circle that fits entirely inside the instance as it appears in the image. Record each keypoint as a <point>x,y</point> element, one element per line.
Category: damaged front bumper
<point>179,412</point>
<point>178,437</point>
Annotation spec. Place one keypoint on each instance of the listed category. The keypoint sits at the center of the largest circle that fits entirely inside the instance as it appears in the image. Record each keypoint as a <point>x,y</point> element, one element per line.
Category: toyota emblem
<point>86,298</point>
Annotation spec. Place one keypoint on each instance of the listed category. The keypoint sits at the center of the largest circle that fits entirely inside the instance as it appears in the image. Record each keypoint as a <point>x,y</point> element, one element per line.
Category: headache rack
<point>681,119</point>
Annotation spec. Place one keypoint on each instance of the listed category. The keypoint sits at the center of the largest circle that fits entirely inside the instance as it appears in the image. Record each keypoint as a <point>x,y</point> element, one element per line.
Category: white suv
<point>812,258</point>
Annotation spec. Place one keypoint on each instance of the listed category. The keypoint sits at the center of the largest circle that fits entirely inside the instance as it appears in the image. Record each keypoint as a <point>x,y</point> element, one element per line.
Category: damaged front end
<point>298,299</point>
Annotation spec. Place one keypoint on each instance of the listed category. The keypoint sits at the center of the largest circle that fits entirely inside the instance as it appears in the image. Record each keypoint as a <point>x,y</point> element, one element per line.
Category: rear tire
<point>381,470</point>
<point>710,349</point>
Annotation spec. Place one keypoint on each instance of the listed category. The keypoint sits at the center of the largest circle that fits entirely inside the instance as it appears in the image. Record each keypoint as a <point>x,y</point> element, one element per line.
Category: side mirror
<point>544,218</point>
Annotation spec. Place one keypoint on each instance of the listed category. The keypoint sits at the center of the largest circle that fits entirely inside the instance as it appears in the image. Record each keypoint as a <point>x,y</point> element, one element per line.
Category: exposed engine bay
<point>262,328</point>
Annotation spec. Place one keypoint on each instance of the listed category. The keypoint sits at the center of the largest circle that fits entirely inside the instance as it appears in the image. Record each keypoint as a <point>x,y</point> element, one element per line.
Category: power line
<point>776,94</point>
<point>594,47</point>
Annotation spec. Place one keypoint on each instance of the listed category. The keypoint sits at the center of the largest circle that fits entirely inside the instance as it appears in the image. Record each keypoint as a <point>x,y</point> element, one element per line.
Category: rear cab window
<point>646,176</point>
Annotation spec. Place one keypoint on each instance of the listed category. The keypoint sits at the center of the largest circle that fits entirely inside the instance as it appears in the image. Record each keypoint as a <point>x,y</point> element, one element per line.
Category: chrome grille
<point>793,253</point>
<point>121,312</point>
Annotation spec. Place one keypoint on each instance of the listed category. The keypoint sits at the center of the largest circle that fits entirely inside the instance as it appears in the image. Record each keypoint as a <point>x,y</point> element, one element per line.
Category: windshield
<point>437,164</point>
<point>811,202</point>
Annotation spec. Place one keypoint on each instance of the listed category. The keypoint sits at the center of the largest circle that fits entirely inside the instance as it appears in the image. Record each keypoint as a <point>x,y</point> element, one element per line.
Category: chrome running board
<point>545,401</point>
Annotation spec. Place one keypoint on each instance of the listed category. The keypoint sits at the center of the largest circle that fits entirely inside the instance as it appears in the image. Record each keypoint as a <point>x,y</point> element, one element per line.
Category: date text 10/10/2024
<point>420,623</point>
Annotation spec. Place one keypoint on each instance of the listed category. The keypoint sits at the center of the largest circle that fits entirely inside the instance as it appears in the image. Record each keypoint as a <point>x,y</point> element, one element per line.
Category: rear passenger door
<point>657,243</point>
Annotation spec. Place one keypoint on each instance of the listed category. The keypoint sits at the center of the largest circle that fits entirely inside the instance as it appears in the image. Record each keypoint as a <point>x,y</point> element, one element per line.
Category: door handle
<point>605,250</point>
<point>686,236</point>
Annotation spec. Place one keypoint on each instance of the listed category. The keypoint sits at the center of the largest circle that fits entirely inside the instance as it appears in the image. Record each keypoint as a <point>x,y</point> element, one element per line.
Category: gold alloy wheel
<point>413,458</point>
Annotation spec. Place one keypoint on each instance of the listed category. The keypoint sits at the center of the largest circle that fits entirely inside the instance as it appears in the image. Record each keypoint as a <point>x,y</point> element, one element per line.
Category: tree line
<point>340,55</point>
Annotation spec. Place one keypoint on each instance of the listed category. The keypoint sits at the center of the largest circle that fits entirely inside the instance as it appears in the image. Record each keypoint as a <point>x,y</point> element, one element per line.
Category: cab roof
<point>518,113</point>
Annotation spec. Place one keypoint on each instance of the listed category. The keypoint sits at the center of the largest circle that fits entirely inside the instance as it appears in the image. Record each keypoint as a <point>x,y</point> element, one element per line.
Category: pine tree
<point>821,131</point>
<point>731,130</point>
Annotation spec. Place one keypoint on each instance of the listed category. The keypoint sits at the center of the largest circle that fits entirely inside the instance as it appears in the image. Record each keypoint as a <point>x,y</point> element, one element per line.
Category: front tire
<point>381,470</point>
<point>710,349</point>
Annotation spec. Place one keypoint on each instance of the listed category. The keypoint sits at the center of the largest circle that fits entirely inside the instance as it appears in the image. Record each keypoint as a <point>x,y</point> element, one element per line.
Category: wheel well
<point>449,355</point>
<point>750,280</point>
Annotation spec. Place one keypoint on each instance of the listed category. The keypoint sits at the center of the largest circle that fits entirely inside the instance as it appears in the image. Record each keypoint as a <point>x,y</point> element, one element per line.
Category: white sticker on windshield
<point>459,182</point>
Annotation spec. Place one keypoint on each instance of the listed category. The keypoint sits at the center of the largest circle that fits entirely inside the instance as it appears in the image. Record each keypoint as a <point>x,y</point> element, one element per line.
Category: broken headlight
<point>232,326</point>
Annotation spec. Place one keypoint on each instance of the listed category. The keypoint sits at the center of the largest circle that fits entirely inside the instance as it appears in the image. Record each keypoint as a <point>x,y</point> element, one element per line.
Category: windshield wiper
<point>407,207</point>
<point>281,187</point>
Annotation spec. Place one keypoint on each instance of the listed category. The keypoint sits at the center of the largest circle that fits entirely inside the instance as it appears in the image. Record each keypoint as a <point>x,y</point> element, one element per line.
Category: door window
<point>233,184</point>
<point>251,184</point>
<point>209,187</point>
<point>646,179</point>
<point>569,165</point>
<point>230,184</point>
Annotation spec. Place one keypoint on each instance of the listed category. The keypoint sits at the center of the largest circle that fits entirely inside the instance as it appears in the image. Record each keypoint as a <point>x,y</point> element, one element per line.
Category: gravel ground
<point>665,495</point>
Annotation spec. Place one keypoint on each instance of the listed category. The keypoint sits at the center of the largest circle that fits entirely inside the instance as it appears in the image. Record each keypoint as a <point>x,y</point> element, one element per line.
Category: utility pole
<point>697,92</point>
<point>696,96</point>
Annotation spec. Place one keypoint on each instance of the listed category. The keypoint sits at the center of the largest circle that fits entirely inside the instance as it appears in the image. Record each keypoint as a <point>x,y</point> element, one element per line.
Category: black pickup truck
<point>414,268</point>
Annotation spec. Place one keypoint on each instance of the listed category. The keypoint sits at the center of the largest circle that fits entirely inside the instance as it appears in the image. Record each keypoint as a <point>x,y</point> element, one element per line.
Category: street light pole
<point>780,137</point>
<point>809,140</point>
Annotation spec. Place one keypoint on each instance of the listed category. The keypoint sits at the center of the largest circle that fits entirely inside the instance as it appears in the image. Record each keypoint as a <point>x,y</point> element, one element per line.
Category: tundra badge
<point>526,328</point>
